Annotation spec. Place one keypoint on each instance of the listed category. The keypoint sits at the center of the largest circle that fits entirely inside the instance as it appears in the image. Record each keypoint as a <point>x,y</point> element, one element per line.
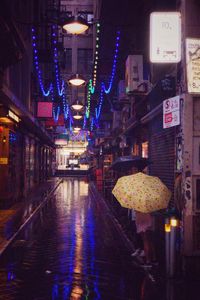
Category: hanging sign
<point>165,37</point>
<point>44,110</point>
<point>193,65</point>
<point>171,112</point>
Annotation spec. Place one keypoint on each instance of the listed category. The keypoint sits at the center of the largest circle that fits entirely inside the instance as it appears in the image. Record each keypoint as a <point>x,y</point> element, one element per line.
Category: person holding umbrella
<point>145,194</point>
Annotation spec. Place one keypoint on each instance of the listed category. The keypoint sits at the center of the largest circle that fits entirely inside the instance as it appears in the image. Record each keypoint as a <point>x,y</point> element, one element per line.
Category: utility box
<point>134,73</point>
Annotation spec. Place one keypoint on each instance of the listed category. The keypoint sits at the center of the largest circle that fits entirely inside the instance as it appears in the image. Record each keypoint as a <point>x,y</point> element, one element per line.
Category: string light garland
<point>84,122</point>
<point>92,124</point>
<point>93,82</point>
<point>87,112</point>
<point>60,89</point>
<point>107,90</point>
<point>47,92</point>
<point>55,113</point>
<point>98,109</point>
<point>65,106</point>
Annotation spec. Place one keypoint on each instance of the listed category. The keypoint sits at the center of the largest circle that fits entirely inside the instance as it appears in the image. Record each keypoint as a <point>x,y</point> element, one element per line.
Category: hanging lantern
<point>75,25</point>
<point>77,129</point>
<point>76,80</point>
<point>77,116</point>
<point>77,106</point>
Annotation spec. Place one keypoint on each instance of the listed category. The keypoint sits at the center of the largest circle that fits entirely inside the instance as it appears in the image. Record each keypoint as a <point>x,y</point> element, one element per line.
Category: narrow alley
<point>72,250</point>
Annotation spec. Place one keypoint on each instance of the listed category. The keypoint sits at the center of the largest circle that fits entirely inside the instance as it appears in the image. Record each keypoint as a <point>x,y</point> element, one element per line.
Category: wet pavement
<point>71,250</point>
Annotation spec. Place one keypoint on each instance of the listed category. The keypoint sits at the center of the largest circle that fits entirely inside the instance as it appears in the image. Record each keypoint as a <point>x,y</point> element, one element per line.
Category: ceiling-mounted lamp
<point>75,25</point>
<point>77,116</point>
<point>77,129</point>
<point>76,80</point>
<point>77,106</point>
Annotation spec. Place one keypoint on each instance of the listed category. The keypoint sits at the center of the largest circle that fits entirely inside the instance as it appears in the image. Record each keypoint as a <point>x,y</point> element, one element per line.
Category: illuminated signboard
<point>193,65</point>
<point>44,110</point>
<point>165,37</point>
<point>13,116</point>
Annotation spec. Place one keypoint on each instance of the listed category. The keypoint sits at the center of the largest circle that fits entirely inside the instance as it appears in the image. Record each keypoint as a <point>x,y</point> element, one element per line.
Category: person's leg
<point>146,246</point>
<point>149,248</point>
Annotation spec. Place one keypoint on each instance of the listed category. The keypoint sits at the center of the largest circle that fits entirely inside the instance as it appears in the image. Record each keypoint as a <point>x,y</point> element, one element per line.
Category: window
<point>88,16</point>
<point>85,61</point>
<point>136,149</point>
<point>145,150</point>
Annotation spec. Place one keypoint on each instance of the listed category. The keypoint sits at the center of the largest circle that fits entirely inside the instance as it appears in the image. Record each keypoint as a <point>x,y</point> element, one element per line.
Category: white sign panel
<point>171,112</point>
<point>193,65</point>
<point>165,37</point>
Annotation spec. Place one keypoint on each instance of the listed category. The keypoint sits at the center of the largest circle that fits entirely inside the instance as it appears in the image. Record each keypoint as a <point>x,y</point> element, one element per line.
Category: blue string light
<point>56,113</point>
<point>65,106</point>
<point>92,124</point>
<point>98,109</point>
<point>57,75</point>
<point>47,92</point>
<point>107,90</point>
<point>84,122</point>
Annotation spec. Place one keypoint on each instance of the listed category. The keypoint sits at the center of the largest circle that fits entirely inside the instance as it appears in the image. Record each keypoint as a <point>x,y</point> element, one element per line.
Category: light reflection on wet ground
<point>72,251</point>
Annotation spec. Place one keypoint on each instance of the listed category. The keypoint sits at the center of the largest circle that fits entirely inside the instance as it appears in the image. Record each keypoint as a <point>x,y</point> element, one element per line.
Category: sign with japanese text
<point>193,65</point>
<point>165,37</point>
<point>171,112</point>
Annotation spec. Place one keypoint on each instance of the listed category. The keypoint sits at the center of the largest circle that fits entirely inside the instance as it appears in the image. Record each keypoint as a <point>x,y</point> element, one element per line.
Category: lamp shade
<point>77,116</point>
<point>75,25</point>
<point>77,128</point>
<point>77,106</point>
<point>76,80</point>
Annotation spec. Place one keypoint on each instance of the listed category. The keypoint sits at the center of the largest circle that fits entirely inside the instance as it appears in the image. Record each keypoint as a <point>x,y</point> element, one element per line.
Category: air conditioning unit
<point>134,73</point>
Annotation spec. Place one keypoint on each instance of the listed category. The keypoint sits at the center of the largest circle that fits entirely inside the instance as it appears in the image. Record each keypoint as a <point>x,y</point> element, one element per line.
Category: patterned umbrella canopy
<point>142,192</point>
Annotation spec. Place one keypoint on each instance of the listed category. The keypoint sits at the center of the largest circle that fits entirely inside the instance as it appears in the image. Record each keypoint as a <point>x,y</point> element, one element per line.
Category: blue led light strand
<point>92,124</point>
<point>47,92</point>
<point>98,109</point>
<point>65,106</point>
<point>56,113</point>
<point>84,122</point>
<point>60,89</point>
<point>108,89</point>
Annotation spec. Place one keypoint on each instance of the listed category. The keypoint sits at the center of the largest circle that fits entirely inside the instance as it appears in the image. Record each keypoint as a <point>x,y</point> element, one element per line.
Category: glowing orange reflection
<point>77,290</point>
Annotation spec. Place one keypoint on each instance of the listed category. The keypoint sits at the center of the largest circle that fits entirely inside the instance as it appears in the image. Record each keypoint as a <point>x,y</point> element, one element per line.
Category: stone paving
<point>71,250</point>
<point>11,219</point>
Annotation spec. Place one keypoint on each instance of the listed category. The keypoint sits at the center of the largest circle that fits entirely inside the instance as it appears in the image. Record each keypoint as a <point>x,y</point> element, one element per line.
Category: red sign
<point>171,112</point>
<point>60,122</point>
<point>168,118</point>
<point>44,110</point>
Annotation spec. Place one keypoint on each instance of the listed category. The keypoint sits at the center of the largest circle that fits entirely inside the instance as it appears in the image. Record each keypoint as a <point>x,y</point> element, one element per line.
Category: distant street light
<point>75,25</point>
